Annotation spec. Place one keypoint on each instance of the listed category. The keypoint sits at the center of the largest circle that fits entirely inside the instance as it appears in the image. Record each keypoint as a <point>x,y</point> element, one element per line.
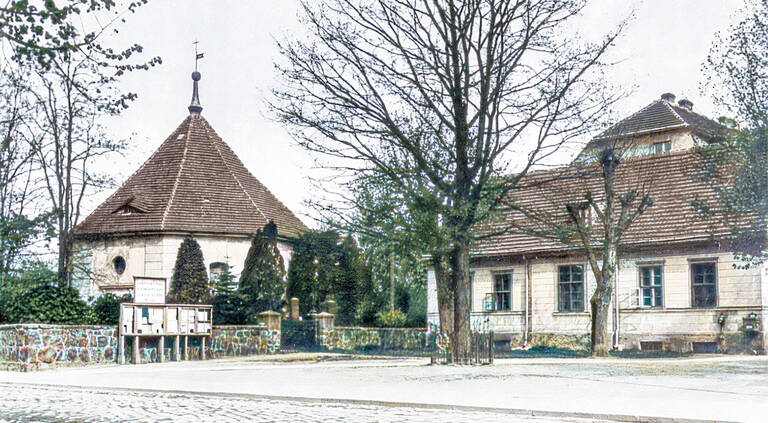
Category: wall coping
<point>52,326</point>
<point>259,326</point>
<point>376,328</point>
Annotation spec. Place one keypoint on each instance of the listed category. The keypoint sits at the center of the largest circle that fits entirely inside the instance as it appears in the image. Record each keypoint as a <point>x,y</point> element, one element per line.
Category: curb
<point>624,418</point>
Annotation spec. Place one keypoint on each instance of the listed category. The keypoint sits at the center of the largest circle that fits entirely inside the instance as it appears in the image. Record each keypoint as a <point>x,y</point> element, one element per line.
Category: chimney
<point>668,97</point>
<point>686,104</point>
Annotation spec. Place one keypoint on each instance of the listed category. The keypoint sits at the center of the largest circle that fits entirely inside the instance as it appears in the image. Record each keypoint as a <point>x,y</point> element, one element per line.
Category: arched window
<point>217,269</point>
<point>118,263</point>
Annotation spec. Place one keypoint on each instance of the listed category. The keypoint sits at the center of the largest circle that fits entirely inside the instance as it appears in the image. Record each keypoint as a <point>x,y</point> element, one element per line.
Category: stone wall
<point>359,339</point>
<point>238,341</point>
<point>36,346</point>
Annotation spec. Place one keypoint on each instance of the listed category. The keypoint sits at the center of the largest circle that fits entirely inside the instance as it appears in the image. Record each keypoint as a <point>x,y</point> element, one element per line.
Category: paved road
<point>30,403</point>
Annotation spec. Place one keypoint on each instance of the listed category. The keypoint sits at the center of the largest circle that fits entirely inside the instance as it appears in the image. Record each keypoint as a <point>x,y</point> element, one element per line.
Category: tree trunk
<point>601,305</point>
<point>601,336</point>
<point>443,281</point>
<point>65,259</point>
<point>460,340</point>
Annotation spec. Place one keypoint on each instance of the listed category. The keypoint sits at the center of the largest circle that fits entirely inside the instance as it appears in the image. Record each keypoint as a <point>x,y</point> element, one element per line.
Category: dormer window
<point>662,147</point>
<point>130,206</point>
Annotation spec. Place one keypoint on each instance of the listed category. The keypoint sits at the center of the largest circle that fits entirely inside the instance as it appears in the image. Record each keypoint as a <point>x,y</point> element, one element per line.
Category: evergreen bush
<point>228,303</point>
<point>106,309</point>
<point>262,283</point>
<point>391,319</point>
<point>48,304</point>
<point>189,284</point>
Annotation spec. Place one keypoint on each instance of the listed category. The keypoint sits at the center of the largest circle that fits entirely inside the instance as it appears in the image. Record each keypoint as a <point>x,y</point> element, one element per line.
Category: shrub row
<point>48,303</point>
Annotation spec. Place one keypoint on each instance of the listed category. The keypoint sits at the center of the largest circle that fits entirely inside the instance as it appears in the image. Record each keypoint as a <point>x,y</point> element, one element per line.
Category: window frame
<point>559,284</point>
<point>641,288</point>
<point>664,149</point>
<point>507,292</point>
<point>693,284</point>
<point>119,264</point>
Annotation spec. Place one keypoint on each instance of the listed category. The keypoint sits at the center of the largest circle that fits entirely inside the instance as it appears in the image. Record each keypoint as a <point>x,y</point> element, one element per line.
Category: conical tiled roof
<point>193,183</point>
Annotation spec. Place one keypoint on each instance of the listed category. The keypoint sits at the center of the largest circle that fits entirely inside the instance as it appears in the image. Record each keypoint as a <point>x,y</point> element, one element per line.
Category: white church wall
<point>155,256</point>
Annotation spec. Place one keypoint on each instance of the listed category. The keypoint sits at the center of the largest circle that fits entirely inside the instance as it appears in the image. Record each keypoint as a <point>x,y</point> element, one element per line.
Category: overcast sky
<point>661,51</point>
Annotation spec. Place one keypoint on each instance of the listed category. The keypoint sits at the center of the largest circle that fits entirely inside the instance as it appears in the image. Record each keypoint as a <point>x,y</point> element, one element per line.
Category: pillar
<point>136,349</point>
<point>271,319</point>
<point>186,347</point>
<point>202,348</point>
<point>121,349</point>
<point>294,308</point>
<point>161,349</point>
<point>177,348</point>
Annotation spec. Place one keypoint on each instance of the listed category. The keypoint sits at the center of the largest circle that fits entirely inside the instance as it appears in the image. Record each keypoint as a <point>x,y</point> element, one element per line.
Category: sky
<point>662,50</point>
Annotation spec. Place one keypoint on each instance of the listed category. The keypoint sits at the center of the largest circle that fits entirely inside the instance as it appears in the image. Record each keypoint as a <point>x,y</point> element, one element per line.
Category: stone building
<point>193,185</point>
<point>677,286</point>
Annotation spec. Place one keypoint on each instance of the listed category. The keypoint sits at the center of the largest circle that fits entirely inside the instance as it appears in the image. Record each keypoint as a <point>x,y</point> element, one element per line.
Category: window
<point>662,147</point>
<point>502,292</point>
<point>651,286</point>
<point>118,263</point>
<point>704,284</point>
<point>570,287</point>
<point>217,269</point>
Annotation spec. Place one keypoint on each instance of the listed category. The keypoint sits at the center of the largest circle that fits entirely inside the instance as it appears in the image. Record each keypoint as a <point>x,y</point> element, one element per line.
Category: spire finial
<point>194,106</point>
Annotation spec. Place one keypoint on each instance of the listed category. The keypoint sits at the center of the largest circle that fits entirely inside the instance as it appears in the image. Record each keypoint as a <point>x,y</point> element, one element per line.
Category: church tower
<point>193,185</point>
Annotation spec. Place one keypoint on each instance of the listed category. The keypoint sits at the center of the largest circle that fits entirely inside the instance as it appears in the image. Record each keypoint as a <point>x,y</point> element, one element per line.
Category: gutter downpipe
<point>525,284</point>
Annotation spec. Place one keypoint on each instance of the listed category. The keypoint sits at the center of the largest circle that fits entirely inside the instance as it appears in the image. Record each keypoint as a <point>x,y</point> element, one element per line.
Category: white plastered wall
<point>155,256</point>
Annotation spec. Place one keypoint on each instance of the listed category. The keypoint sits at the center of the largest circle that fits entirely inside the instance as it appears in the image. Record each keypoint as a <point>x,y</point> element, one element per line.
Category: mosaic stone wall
<point>26,347</point>
<point>238,341</point>
<point>391,339</point>
<point>36,346</point>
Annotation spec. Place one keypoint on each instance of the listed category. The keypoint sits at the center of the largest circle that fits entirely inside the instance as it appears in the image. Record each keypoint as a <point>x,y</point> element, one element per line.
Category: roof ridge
<point>677,115</point>
<point>178,175</point>
<point>215,136</point>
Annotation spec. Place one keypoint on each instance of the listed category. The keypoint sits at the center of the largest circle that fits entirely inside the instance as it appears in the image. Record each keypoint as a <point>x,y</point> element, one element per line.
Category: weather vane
<point>198,56</point>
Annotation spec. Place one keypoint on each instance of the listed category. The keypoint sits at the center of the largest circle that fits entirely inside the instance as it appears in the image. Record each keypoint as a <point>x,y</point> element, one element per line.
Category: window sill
<point>570,313</point>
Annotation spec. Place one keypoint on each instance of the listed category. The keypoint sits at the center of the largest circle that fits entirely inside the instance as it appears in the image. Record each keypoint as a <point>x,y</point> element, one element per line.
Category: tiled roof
<point>670,178</point>
<point>661,115</point>
<point>193,183</point>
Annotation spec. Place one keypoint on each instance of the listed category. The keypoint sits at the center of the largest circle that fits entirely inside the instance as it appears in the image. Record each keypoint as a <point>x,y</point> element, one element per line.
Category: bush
<point>48,304</point>
<point>391,319</point>
<point>106,309</point>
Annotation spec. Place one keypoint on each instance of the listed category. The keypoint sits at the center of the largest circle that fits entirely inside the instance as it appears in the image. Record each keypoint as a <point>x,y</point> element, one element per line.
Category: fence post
<point>490,347</point>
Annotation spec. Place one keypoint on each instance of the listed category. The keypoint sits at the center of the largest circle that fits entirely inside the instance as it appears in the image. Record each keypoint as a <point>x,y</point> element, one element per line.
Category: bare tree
<point>21,221</point>
<point>447,94</point>
<point>590,205</point>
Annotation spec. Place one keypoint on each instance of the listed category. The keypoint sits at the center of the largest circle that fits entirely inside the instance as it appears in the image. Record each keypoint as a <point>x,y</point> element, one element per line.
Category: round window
<point>119,264</point>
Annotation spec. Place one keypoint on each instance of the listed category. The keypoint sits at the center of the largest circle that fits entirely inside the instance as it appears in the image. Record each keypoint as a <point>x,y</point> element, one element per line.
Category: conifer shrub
<point>262,282</point>
<point>189,284</point>
<point>228,303</point>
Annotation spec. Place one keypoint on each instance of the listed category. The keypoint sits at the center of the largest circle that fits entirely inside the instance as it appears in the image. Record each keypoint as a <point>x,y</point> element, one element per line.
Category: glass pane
<point>565,273</point>
<point>645,276</point>
<point>657,276</point>
<point>578,273</point>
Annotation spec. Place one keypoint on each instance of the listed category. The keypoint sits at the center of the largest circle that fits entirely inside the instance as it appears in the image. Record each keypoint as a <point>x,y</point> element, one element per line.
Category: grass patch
<point>542,352</point>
